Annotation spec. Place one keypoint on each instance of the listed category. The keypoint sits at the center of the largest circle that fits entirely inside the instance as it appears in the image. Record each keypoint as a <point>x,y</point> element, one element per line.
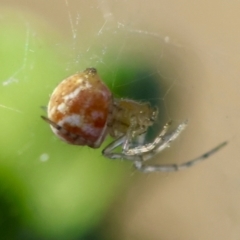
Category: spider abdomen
<point>80,105</point>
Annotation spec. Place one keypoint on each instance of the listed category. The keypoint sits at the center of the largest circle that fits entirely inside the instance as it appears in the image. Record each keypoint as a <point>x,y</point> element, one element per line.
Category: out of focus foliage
<point>48,189</point>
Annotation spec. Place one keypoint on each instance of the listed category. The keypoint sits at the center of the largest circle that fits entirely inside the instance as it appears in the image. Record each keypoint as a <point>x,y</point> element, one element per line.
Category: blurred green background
<point>48,189</point>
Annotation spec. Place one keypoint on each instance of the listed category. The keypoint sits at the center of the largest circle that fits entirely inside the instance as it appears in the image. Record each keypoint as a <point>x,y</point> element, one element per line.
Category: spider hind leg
<point>175,167</point>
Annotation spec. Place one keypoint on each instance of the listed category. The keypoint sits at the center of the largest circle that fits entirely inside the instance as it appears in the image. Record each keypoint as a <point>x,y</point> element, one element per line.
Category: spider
<point>82,111</point>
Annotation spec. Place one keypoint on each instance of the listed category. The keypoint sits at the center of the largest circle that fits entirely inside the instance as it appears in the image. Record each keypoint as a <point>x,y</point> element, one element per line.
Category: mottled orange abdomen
<point>81,105</point>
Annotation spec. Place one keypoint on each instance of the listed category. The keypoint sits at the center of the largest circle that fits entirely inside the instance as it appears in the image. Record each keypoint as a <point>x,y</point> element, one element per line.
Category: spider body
<point>82,111</point>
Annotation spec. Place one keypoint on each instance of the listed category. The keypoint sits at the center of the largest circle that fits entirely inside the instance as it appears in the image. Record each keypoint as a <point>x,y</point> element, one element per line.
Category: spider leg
<point>128,139</point>
<point>108,151</point>
<point>148,147</point>
<point>130,135</point>
<point>175,167</point>
<point>166,141</point>
<point>53,124</point>
<point>161,142</point>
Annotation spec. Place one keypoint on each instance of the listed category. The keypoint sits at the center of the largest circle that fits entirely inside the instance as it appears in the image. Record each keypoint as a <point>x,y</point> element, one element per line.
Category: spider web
<point>138,57</point>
